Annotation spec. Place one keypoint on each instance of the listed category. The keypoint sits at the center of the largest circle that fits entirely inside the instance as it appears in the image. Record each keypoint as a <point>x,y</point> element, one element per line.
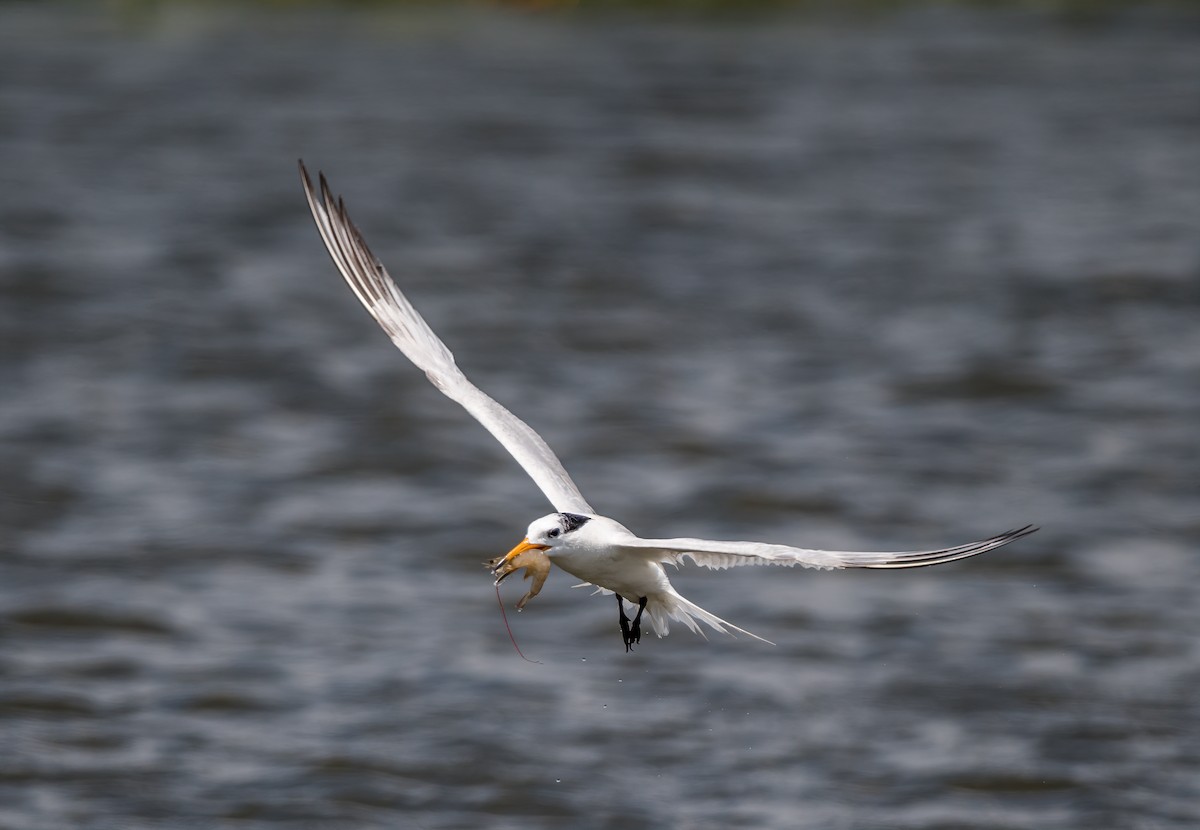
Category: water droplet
<point>557,780</point>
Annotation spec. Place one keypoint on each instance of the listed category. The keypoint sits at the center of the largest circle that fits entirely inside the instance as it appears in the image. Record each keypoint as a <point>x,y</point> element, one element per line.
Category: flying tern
<point>593,548</point>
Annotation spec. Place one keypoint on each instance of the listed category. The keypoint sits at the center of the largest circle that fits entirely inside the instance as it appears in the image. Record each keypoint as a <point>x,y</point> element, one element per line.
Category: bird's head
<point>553,531</point>
<point>558,530</point>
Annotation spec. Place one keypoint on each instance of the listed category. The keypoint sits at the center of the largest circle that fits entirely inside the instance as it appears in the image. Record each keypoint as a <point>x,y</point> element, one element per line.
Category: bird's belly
<point>630,577</point>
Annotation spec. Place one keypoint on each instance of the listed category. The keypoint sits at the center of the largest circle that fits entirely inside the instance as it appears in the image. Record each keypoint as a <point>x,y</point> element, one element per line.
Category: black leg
<point>631,633</point>
<point>625,634</point>
<point>635,630</point>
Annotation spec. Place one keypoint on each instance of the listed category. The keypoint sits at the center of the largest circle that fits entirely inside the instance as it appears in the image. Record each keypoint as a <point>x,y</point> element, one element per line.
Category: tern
<point>596,549</point>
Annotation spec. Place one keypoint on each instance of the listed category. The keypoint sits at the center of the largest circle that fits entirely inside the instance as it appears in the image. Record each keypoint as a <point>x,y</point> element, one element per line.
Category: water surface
<point>898,282</point>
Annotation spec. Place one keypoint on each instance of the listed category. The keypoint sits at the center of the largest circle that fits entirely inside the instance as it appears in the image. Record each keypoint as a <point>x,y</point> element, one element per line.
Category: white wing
<point>375,289</point>
<point>721,555</point>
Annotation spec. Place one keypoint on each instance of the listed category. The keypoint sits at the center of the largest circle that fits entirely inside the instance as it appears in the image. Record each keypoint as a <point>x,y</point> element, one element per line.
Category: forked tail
<point>663,608</point>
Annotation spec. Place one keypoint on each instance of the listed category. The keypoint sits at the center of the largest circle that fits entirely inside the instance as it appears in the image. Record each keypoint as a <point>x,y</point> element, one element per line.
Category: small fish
<point>535,563</point>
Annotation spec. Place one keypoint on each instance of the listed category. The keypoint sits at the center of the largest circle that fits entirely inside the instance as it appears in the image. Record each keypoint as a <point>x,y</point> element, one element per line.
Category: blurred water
<point>895,282</point>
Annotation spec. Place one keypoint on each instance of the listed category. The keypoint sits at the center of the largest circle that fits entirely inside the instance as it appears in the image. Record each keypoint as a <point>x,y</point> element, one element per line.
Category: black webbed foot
<point>635,630</point>
<point>624,620</point>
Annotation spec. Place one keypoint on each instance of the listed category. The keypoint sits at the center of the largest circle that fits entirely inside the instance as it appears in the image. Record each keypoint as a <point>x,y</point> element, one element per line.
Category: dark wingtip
<point>939,557</point>
<point>1015,533</point>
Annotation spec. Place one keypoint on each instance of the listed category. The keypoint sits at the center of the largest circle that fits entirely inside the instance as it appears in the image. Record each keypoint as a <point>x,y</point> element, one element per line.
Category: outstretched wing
<point>721,555</point>
<point>375,289</point>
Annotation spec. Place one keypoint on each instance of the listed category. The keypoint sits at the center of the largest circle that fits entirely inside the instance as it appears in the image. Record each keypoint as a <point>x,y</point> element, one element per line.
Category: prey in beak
<point>526,555</point>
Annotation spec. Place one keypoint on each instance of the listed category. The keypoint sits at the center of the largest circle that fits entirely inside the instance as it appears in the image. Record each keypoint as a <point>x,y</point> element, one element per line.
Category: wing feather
<point>720,555</point>
<point>376,290</point>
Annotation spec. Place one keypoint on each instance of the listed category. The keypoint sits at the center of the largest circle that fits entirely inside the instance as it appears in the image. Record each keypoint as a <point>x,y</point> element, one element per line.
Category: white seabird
<point>583,543</point>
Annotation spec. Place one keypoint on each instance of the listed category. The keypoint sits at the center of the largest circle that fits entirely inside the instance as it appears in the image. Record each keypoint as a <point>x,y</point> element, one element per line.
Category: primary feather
<point>375,289</point>
<point>719,555</point>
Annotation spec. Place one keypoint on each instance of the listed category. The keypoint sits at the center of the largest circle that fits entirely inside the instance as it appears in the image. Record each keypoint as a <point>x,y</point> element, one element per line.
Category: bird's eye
<point>554,533</point>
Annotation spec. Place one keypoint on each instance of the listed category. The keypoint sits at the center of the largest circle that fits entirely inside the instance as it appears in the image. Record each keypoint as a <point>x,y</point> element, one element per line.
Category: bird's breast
<point>629,576</point>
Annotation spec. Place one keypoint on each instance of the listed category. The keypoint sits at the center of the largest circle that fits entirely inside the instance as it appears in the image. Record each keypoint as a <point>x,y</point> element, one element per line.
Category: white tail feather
<point>666,607</point>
